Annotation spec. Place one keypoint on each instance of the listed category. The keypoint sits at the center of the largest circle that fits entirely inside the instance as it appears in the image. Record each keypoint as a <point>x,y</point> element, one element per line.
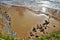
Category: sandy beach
<point>23,20</point>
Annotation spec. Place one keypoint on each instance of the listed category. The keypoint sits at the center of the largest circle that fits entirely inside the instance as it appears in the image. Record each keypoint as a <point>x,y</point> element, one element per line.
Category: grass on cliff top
<point>52,36</point>
<point>7,37</point>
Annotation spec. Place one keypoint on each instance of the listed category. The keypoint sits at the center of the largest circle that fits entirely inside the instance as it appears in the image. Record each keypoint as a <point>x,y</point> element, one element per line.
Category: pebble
<point>31,34</point>
<point>36,36</point>
<point>46,22</point>
<point>34,29</point>
<point>5,12</point>
<point>45,27</point>
<point>42,30</point>
<point>9,19</point>
<point>38,26</point>
<point>54,26</point>
<point>9,23</point>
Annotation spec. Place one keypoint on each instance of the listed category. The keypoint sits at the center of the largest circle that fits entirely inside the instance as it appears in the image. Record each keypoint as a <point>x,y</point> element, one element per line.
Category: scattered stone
<point>7,15</point>
<point>54,26</point>
<point>38,26</point>
<point>36,36</point>
<point>45,27</point>
<point>29,37</point>
<point>31,34</point>
<point>9,19</point>
<point>5,11</point>
<point>46,32</point>
<point>34,29</point>
<point>42,30</point>
<point>46,22</point>
<point>9,23</point>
